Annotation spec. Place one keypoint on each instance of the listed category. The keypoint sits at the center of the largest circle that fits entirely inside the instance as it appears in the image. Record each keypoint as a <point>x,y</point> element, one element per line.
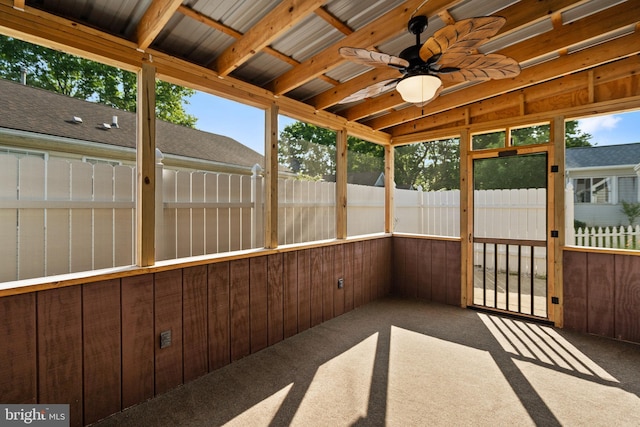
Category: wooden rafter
<point>18,4</point>
<point>551,41</point>
<point>154,19</point>
<point>280,19</point>
<point>383,28</point>
<point>323,13</point>
<point>194,14</point>
<point>588,58</point>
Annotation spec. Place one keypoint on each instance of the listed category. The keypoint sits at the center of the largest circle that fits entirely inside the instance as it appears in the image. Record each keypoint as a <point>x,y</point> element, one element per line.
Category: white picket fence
<point>609,237</point>
<point>60,216</point>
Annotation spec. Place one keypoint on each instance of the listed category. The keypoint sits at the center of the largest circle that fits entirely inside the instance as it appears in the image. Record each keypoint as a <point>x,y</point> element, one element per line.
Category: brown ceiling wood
<point>390,24</point>
<point>284,16</point>
<point>588,58</point>
<point>154,19</point>
<point>563,82</point>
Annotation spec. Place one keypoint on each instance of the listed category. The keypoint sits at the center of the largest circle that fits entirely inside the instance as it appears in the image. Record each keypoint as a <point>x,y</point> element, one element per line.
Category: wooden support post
<point>466,220</point>
<point>557,222</point>
<point>146,166</point>
<point>341,184</point>
<point>389,187</point>
<point>271,178</point>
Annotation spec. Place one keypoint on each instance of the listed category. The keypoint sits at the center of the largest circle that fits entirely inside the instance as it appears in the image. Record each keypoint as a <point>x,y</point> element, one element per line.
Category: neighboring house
<point>602,177</point>
<point>50,125</point>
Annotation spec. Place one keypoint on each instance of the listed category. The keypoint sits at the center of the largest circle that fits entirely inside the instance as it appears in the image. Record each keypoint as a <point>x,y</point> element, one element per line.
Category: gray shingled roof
<point>606,155</point>
<point>36,110</point>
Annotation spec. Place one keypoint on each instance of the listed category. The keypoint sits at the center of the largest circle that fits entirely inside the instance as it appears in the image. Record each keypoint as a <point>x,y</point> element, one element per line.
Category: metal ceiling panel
<point>118,17</point>
<point>239,15</point>
<point>261,69</point>
<point>357,14</point>
<point>309,90</point>
<point>191,40</point>
<point>310,36</point>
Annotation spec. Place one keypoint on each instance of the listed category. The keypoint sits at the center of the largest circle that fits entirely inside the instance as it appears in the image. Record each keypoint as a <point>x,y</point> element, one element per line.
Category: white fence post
<point>256,212</point>
<point>569,216</point>
<point>159,203</point>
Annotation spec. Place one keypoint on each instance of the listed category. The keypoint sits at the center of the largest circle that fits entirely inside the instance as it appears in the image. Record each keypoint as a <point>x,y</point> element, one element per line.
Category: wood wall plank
<point>439,271</point>
<point>366,272</point>
<point>338,273</point>
<point>18,361</point>
<point>454,267</point>
<point>600,298</point>
<point>574,265</point>
<point>376,270</point>
<point>138,340</point>
<point>627,298</point>
<point>399,256</point>
<point>219,307</point>
<point>194,326</point>
<point>327,283</point>
<point>239,315</point>
<point>258,303</point>
<point>349,275</point>
<point>168,317</point>
<point>358,262</point>
<point>389,269</point>
<point>316,285</point>
<point>411,268</point>
<point>101,349</point>
<point>425,267</point>
<point>275,298</point>
<point>290,298</point>
<point>304,290</point>
<point>60,349</point>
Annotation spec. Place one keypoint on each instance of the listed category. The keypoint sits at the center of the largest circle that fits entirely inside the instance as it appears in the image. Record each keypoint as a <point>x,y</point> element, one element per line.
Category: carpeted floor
<point>410,363</point>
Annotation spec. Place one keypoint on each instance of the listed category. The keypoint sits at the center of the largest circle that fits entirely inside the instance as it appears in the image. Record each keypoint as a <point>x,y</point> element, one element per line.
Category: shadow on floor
<point>399,362</point>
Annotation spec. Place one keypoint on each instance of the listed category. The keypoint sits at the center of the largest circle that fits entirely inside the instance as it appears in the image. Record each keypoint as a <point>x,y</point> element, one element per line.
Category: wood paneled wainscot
<point>602,293</point>
<point>97,346</point>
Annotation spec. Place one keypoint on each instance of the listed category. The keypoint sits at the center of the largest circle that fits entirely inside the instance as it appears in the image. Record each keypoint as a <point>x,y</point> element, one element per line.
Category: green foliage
<point>574,137</point>
<point>631,211</point>
<point>579,224</point>
<point>80,78</point>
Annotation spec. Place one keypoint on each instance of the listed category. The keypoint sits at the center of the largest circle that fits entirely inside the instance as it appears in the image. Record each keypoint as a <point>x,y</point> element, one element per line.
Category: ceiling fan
<point>448,56</point>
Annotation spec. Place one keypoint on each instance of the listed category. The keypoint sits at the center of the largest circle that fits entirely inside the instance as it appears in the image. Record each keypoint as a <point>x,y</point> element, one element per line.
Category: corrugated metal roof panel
<point>192,40</point>
<point>356,14</point>
<point>310,36</point>
<point>239,15</point>
<point>118,17</point>
<point>309,89</point>
<point>261,69</point>
<point>347,70</point>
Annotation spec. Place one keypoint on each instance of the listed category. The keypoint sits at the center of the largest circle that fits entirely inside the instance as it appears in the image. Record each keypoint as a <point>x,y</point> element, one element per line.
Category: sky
<point>246,124</point>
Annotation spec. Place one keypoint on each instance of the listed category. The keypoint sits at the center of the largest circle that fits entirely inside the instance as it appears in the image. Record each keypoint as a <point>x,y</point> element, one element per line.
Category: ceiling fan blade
<point>370,91</point>
<point>463,36</point>
<point>464,68</point>
<point>373,58</point>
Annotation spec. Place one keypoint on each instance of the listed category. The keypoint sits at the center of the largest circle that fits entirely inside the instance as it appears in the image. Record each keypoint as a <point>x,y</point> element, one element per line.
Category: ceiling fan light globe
<point>419,88</point>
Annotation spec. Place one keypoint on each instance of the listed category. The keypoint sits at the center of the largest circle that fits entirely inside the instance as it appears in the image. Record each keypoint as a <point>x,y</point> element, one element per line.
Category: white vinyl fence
<point>60,216</point>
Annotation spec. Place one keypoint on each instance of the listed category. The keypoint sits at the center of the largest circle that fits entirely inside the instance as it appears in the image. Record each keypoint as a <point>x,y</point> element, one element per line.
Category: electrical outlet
<point>340,283</point>
<point>165,339</point>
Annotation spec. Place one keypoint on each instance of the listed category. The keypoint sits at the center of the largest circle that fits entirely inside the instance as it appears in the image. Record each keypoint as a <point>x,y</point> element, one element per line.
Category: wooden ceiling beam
<point>552,41</point>
<point>283,17</point>
<point>605,72</point>
<point>383,28</point>
<point>18,4</point>
<point>194,14</point>
<point>334,95</point>
<point>323,13</point>
<point>47,30</point>
<point>154,19</point>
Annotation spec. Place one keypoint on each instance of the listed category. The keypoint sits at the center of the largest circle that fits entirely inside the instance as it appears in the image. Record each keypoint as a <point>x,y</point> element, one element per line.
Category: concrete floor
<point>411,363</point>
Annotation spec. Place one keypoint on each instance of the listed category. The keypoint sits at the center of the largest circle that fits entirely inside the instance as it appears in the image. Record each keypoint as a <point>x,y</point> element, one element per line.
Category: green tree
<point>310,151</point>
<point>574,137</point>
<point>84,79</point>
